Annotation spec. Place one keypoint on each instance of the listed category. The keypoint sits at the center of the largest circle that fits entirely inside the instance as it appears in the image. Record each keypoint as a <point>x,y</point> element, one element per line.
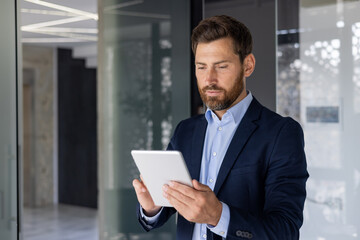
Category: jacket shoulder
<point>272,119</point>
<point>190,122</point>
<point>269,123</point>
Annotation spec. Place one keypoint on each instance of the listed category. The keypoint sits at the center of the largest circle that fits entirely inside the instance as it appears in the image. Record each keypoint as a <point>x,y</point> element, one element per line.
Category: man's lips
<point>213,93</point>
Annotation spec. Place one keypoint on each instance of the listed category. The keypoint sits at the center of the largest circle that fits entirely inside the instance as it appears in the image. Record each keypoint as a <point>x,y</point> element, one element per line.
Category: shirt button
<point>211,180</point>
<point>220,128</point>
<point>204,235</point>
<point>214,154</point>
<point>222,233</point>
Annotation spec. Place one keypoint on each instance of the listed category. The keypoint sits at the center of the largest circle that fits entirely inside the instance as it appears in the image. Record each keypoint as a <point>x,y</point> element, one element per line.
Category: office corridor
<point>60,222</point>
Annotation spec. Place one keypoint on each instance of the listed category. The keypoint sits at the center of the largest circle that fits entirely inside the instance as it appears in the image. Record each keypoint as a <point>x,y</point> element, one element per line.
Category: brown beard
<point>217,104</point>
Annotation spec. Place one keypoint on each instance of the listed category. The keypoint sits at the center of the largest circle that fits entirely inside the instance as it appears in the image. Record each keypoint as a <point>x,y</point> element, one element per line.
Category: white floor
<point>60,222</point>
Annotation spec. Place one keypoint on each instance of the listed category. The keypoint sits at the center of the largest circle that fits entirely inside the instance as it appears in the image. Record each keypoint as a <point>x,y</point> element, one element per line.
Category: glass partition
<point>143,92</point>
<point>8,123</point>
<point>318,84</point>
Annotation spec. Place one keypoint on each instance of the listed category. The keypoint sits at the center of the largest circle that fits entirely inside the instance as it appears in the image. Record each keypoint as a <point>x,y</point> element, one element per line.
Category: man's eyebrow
<point>215,63</point>
<point>219,62</point>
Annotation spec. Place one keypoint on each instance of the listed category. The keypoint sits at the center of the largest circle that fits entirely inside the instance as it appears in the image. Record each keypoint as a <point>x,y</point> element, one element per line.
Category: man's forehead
<point>218,47</point>
<point>215,56</point>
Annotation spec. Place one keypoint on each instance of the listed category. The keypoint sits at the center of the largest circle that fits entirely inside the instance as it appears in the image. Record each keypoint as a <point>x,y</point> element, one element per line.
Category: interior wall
<point>259,17</point>
<point>38,88</point>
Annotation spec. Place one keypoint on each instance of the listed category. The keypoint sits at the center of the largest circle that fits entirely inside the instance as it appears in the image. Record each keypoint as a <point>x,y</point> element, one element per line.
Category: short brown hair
<point>222,26</point>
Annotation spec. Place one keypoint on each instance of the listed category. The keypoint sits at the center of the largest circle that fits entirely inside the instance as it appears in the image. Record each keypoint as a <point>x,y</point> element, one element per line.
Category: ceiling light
<point>68,30</point>
<point>48,12</point>
<point>64,8</point>
<point>52,23</point>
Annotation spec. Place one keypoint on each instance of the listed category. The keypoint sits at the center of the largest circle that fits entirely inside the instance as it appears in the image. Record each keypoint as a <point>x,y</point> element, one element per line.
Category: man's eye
<point>222,67</point>
<point>201,68</point>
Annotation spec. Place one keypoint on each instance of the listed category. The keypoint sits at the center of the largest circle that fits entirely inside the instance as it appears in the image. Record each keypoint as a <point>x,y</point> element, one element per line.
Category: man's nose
<point>211,76</point>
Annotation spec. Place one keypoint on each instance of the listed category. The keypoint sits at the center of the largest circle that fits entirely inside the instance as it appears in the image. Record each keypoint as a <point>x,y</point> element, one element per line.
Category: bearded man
<point>247,163</point>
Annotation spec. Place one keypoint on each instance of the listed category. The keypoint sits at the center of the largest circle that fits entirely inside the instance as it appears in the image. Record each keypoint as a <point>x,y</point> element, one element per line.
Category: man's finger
<point>139,186</point>
<point>180,206</point>
<point>184,189</point>
<point>200,187</point>
<point>174,193</point>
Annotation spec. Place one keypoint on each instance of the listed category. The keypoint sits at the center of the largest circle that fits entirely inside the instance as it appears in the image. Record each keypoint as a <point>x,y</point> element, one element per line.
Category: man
<point>247,162</point>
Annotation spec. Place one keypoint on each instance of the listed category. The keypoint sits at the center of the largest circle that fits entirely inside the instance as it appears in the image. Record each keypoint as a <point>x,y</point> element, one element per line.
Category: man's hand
<point>198,204</point>
<point>144,198</point>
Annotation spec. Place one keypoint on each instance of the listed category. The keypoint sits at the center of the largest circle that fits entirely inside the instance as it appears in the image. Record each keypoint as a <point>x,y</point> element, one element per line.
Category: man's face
<point>219,73</point>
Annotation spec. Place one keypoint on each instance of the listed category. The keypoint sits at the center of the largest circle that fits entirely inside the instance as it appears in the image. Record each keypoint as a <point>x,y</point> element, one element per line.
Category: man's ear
<point>249,65</point>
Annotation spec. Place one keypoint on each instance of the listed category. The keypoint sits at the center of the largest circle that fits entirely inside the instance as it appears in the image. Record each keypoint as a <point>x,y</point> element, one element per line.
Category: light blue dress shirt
<point>219,134</point>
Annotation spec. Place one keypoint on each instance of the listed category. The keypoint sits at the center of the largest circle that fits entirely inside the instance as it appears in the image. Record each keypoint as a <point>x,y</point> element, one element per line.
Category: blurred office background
<point>84,82</point>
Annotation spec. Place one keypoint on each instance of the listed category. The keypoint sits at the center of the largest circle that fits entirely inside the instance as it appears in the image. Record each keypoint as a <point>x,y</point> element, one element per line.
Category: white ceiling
<point>44,22</point>
<point>73,23</point>
<point>61,23</point>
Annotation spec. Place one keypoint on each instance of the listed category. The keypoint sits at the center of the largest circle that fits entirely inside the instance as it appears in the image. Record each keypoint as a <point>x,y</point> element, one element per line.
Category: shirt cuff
<point>150,220</point>
<point>223,224</point>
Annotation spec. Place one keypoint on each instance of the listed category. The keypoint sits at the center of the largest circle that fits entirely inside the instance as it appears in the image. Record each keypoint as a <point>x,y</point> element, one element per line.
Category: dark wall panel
<point>259,16</point>
<point>77,131</point>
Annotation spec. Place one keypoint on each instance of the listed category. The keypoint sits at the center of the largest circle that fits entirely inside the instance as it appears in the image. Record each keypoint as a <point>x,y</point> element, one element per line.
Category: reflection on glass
<point>319,85</point>
<point>136,102</point>
<point>356,55</point>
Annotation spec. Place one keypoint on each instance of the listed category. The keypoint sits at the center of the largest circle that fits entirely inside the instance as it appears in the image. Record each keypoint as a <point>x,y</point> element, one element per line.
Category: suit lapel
<point>245,129</point>
<point>197,148</point>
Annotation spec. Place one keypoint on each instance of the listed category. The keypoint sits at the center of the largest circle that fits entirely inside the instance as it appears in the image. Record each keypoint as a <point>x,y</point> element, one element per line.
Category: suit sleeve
<point>166,212</point>
<point>285,192</point>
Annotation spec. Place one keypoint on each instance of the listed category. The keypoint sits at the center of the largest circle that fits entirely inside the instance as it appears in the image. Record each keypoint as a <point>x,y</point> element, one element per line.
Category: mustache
<point>212,87</point>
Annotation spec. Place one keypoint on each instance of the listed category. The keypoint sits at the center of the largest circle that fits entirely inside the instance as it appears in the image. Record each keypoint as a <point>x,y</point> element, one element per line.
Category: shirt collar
<point>235,113</point>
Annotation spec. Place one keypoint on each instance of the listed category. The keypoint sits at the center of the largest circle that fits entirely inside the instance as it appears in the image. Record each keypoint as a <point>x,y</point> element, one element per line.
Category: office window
<point>318,85</point>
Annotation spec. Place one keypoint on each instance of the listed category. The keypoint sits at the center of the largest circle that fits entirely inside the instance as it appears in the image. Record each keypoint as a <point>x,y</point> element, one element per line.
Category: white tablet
<point>158,168</point>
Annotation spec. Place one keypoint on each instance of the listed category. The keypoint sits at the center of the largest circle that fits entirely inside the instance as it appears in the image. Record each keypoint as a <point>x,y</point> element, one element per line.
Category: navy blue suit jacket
<point>262,177</point>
